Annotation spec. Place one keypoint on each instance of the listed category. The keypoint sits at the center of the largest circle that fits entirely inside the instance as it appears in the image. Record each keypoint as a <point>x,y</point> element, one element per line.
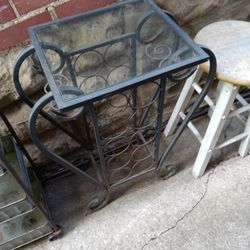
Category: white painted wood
<point>192,128</point>
<point>227,93</point>
<point>241,99</point>
<point>231,141</point>
<point>245,143</point>
<point>239,111</point>
<point>207,99</point>
<point>182,102</point>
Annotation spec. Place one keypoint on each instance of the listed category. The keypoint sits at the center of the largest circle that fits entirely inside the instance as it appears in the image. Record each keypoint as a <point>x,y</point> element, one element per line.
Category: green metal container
<point>21,222</point>
<point>23,230</point>
<point>13,199</point>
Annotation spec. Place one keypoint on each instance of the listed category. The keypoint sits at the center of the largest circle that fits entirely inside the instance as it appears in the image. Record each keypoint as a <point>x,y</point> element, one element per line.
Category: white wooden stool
<point>230,41</point>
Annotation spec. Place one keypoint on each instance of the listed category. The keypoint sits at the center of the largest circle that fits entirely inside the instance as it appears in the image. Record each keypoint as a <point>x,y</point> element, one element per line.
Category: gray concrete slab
<point>178,213</point>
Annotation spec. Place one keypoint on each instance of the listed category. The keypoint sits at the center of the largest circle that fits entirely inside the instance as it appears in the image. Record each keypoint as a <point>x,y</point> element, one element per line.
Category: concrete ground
<point>212,212</point>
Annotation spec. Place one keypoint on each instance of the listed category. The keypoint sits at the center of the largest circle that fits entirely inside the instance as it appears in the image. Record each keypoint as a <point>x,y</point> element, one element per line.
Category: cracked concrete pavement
<point>181,218</point>
<point>181,212</point>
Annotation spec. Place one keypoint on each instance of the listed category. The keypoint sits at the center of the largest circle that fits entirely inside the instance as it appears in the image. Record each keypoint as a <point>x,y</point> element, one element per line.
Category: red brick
<point>77,6</point>
<point>24,6</point>
<point>6,12</point>
<point>18,32</point>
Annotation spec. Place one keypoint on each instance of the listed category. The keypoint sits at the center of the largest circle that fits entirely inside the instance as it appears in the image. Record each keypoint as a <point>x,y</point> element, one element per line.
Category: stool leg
<point>225,99</point>
<point>245,143</point>
<point>182,102</point>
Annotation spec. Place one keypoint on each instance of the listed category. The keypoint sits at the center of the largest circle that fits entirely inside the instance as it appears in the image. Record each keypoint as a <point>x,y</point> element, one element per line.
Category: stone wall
<point>17,15</point>
<point>195,14</point>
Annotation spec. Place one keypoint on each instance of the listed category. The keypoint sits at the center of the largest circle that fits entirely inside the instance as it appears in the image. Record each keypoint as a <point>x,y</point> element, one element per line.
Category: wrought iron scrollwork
<point>157,48</point>
<point>93,69</point>
<point>51,48</point>
<point>128,146</point>
<point>126,128</point>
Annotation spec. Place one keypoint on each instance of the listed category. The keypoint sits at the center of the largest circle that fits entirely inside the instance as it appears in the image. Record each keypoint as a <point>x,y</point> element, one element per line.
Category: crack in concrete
<point>183,217</point>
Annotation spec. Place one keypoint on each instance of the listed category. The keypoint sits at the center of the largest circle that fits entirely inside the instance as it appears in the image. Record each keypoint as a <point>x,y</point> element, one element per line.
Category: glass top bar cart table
<point>112,66</point>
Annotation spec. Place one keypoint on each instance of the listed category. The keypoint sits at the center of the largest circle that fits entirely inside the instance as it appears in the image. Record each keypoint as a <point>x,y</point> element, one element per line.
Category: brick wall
<point>17,15</point>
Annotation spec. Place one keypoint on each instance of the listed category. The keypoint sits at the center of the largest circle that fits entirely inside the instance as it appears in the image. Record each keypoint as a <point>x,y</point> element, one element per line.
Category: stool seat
<point>230,42</point>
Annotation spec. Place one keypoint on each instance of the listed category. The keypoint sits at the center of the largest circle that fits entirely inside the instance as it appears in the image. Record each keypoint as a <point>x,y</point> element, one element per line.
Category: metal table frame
<point>160,76</point>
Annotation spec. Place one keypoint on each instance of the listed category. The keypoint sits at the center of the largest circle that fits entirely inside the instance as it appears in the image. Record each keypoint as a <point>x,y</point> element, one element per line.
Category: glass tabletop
<point>93,54</point>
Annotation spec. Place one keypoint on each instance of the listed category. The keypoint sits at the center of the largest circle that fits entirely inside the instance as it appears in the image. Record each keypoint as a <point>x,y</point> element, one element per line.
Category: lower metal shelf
<point>21,221</point>
<point>13,199</point>
<point>23,230</point>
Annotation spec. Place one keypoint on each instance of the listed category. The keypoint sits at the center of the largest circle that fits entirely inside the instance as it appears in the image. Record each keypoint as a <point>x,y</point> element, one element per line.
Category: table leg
<point>227,93</point>
<point>159,117</point>
<point>200,98</point>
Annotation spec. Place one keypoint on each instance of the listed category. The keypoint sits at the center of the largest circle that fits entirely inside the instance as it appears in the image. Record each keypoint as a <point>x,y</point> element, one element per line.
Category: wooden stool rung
<point>192,128</point>
<point>231,140</point>
<point>207,99</point>
<point>233,113</point>
<point>241,100</point>
<point>239,111</point>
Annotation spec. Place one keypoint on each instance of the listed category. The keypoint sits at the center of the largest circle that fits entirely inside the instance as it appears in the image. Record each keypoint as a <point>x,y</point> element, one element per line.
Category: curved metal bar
<point>179,76</point>
<point>147,17</point>
<point>142,21</point>
<point>210,79</point>
<point>171,15</point>
<point>81,55</point>
<point>124,52</point>
<point>22,57</point>
<point>59,52</point>
<point>36,110</point>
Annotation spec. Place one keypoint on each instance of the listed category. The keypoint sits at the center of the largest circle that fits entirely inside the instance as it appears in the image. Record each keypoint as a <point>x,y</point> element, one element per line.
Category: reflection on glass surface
<point>96,51</point>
